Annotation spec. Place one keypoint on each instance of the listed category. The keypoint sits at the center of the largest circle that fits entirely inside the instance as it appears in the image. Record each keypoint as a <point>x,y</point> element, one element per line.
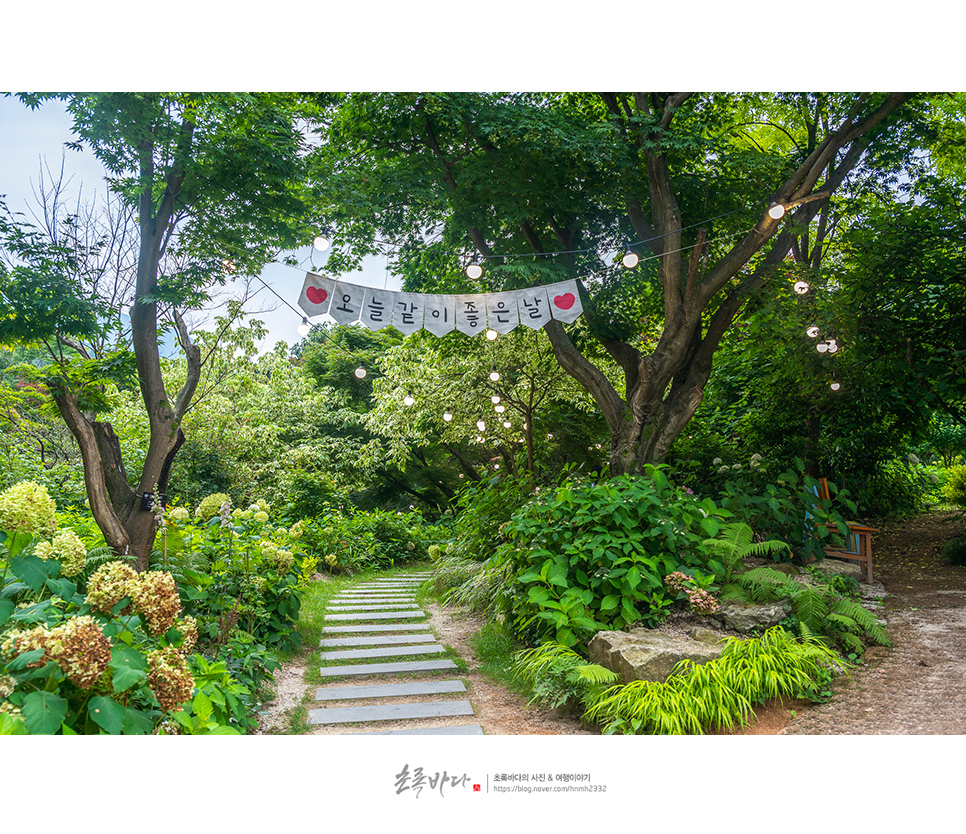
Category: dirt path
<point>919,686</point>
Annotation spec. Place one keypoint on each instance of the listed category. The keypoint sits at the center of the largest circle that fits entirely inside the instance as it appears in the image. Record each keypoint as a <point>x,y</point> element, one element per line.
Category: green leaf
<point>30,570</point>
<point>202,707</point>
<point>44,712</point>
<point>108,714</point>
<point>130,666</point>
<point>223,730</point>
<point>6,609</point>
<point>21,661</point>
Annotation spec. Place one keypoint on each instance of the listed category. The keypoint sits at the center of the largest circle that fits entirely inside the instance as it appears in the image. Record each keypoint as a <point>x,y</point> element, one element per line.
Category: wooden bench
<point>858,543</point>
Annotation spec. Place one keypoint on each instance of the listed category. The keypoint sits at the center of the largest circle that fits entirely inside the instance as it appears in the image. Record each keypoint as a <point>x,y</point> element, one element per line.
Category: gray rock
<point>646,655</point>
<point>706,635</point>
<point>840,566</point>
<point>746,618</point>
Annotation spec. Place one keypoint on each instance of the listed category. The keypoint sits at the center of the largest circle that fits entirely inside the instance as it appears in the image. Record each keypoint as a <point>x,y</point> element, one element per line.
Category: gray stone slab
<point>457,730</point>
<point>377,595</point>
<point>381,651</point>
<point>389,712</point>
<point>374,627</point>
<point>389,690</point>
<point>386,668</point>
<point>384,615</point>
<point>373,640</point>
<point>374,606</point>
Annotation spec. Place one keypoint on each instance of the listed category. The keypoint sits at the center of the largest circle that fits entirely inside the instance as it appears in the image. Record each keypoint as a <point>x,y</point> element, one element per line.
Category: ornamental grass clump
<point>721,693</point>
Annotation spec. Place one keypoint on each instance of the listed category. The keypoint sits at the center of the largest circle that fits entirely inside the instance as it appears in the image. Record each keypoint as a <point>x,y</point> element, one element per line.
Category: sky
<point>30,139</point>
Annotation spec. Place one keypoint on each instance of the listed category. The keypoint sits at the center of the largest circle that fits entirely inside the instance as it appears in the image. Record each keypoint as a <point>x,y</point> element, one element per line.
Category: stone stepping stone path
<point>356,630</point>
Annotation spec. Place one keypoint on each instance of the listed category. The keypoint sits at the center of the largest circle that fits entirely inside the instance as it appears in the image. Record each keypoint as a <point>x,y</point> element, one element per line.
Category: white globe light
<point>321,243</point>
<point>303,328</point>
<point>776,211</point>
<point>474,270</point>
<point>833,346</point>
<point>447,416</point>
<point>409,399</point>
<point>360,372</point>
<point>491,334</point>
<point>500,409</point>
<point>494,399</point>
<point>494,375</point>
<point>801,287</point>
<point>821,347</point>
<point>812,331</point>
<point>630,260</point>
<point>835,386</point>
<point>481,425</point>
<point>507,424</point>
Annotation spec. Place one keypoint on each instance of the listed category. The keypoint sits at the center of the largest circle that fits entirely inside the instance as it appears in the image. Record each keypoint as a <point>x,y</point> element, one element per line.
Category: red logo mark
<point>476,787</point>
<point>565,301</point>
<point>317,296</point>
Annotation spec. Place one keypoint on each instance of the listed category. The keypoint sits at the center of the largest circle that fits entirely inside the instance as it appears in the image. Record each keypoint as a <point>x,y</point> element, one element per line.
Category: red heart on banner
<point>315,295</point>
<point>565,301</point>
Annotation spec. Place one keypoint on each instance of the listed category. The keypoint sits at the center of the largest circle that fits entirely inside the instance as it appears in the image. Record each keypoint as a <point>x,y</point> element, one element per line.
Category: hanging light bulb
<point>495,399</point>
<point>494,375</point>
<point>630,258</point>
<point>447,416</point>
<point>833,346</point>
<point>801,287</point>
<point>822,347</point>
<point>499,409</point>
<point>835,386</point>
<point>321,242</point>
<point>303,328</point>
<point>776,211</point>
<point>409,399</point>
<point>360,372</point>
<point>506,424</point>
<point>812,331</point>
<point>473,269</point>
<point>491,334</point>
<point>481,425</point>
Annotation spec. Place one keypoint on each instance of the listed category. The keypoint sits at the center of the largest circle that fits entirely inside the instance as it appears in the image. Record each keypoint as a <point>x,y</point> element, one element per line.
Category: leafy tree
<point>538,183</point>
<point>215,181</point>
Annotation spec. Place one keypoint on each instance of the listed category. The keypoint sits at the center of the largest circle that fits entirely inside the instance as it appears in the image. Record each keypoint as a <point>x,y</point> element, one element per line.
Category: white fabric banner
<point>470,313</point>
<point>501,311</point>
<point>440,315</point>
<point>407,312</point>
<point>565,301</point>
<point>377,309</point>
<point>534,307</point>
<point>316,294</point>
<point>347,300</point>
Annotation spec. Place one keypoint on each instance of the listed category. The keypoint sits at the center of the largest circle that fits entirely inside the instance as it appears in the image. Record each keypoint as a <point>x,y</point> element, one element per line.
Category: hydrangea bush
<point>110,653</point>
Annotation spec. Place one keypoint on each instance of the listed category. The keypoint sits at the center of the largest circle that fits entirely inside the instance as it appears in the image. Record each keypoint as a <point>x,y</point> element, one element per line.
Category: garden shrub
<point>109,653</point>
<point>954,490</point>
<point>590,556</point>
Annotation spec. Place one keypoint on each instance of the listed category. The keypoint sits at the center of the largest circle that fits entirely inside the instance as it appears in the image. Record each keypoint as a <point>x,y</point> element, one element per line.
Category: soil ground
<point>917,687</point>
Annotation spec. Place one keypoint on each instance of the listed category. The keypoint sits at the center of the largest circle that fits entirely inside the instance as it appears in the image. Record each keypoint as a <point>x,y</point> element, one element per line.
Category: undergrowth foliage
<point>719,694</point>
<point>588,556</point>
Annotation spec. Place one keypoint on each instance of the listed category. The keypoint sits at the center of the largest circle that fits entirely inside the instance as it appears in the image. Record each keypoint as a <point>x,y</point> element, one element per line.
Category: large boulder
<point>646,655</point>
<point>747,618</point>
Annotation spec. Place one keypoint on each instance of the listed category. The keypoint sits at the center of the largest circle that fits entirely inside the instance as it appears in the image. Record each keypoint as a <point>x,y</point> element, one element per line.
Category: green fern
<point>864,619</point>
<point>735,544</point>
<point>558,675</point>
